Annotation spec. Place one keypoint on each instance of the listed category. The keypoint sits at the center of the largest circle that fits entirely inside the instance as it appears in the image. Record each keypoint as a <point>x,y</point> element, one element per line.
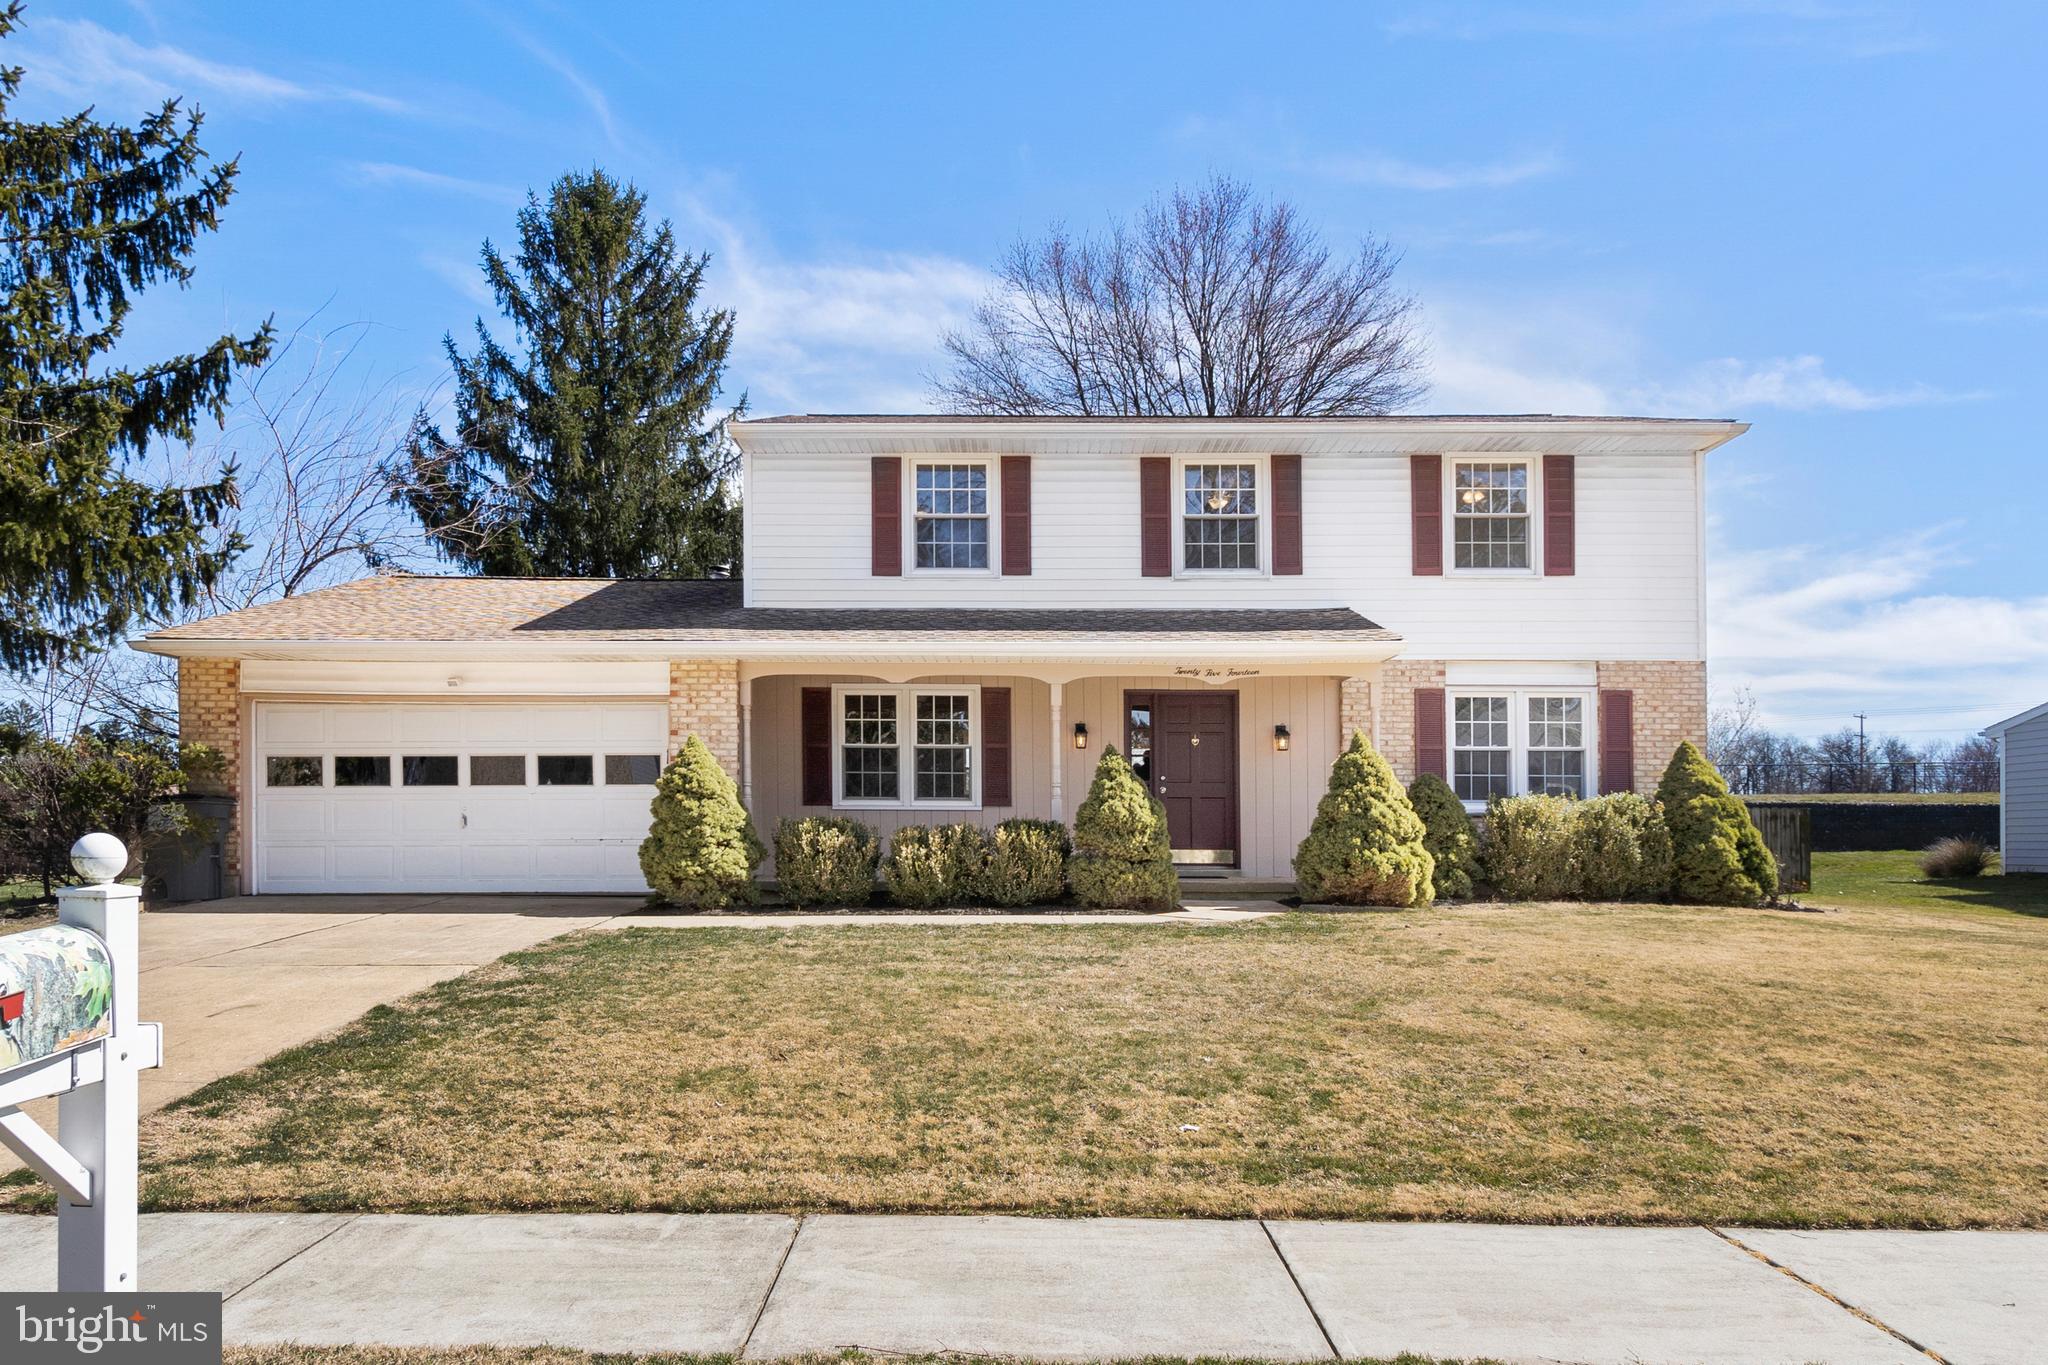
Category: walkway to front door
<point>1183,745</point>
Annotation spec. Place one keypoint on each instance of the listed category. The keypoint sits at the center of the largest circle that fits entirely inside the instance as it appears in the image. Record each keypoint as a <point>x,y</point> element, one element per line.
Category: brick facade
<point>210,712</point>
<point>1671,705</point>
<point>704,700</point>
<point>1398,680</point>
<point>1354,709</point>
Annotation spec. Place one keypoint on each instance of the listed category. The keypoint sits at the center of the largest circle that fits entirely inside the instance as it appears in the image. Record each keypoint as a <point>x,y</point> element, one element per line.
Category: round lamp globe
<point>99,857</point>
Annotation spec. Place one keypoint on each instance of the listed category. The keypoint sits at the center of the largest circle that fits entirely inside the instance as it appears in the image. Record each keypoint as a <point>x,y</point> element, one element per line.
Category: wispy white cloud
<point>851,332</point>
<point>1795,383</point>
<point>78,59</point>
<point>2003,312</point>
<point>462,274</point>
<point>1852,30</point>
<point>1819,633</point>
<point>415,177</point>
<point>589,91</point>
<point>1395,173</point>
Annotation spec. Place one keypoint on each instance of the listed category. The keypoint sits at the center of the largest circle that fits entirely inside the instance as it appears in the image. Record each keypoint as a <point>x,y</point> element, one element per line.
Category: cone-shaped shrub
<point>1027,863</point>
<point>1623,848</point>
<point>934,865</point>
<point>1365,846</point>
<point>1448,835</point>
<point>826,860</point>
<point>1718,857</point>
<point>701,850</point>
<point>1122,858</point>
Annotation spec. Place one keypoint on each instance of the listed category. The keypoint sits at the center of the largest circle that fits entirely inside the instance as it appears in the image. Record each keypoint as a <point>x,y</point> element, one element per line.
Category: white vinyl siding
<point>2025,796</point>
<point>1635,595</point>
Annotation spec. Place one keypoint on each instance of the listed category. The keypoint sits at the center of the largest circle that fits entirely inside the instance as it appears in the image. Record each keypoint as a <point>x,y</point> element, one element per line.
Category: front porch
<point>1238,754</point>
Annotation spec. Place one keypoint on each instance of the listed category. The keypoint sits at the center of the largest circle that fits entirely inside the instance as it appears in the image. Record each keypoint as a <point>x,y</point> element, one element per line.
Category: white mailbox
<point>68,1028</point>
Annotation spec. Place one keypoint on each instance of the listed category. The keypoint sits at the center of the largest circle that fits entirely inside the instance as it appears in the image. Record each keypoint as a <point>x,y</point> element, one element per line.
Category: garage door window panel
<point>631,770</point>
<point>294,772</point>
<point>565,770</point>
<point>362,770</point>
<point>429,770</point>
<point>497,770</point>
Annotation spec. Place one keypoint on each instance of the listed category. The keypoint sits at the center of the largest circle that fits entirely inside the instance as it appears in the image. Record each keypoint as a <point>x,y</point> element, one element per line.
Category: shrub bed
<point>826,860</point>
<point>1025,863</point>
<point>934,865</point>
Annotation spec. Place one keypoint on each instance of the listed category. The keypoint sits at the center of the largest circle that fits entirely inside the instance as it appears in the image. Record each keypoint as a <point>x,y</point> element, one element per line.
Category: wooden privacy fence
<point>1788,833</point>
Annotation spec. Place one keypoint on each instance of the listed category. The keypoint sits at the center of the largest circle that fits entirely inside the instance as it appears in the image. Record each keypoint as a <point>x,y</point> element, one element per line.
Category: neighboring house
<point>2022,789</point>
<point>948,618</point>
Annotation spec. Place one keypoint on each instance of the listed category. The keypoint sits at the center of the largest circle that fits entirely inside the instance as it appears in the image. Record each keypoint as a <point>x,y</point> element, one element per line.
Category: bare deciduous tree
<point>1214,305</point>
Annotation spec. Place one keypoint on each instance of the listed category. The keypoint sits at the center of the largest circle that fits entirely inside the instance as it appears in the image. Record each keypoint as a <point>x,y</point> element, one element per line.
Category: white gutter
<point>839,646</point>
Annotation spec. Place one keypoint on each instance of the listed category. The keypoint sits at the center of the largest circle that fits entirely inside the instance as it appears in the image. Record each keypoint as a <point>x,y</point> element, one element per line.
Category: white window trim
<point>1264,493</point>
<point>1532,463</point>
<point>1518,733</point>
<point>906,745</point>
<point>992,472</point>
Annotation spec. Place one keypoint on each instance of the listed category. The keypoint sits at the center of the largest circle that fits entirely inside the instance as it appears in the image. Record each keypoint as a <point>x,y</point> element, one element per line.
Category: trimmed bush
<point>1027,863</point>
<point>1957,858</point>
<point>1622,848</point>
<point>701,850</point>
<point>1448,835</point>
<point>1365,846</point>
<point>1718,857</point>
<point>1530,851</point>
<point>933,865</point>
<point>1122,859</point>
<point>826,860</point>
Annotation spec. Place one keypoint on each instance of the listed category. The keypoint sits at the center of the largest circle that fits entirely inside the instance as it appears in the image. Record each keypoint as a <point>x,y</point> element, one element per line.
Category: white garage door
<point>361,796</point>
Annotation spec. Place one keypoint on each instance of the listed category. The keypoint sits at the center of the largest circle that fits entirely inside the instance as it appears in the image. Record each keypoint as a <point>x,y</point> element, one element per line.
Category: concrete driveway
<point>234,981</point>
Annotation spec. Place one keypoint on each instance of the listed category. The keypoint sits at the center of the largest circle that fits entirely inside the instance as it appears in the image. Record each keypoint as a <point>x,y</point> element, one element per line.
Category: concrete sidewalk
<point>770,1286</point>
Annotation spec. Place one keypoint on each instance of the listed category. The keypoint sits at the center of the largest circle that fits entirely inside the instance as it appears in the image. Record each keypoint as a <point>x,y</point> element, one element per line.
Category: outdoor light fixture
<point>1281,739</point>
<point>1080,735</point>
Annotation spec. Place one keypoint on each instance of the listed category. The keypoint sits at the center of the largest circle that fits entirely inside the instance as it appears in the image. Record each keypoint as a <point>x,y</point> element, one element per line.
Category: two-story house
<point>946,618</point>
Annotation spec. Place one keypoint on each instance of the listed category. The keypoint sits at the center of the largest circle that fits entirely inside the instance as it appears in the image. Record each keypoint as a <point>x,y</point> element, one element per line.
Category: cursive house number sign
<point>1212,674</point>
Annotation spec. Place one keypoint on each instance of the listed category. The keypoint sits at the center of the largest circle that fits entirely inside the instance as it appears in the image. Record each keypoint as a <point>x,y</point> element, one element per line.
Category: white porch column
<point>747,744</point>
<point>1059,754</point>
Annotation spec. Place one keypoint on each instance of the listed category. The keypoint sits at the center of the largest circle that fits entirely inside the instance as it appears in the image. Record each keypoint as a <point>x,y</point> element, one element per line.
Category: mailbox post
<point>68,995</point>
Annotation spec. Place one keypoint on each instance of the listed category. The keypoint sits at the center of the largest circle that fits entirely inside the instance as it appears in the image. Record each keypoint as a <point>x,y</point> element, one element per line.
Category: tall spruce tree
<point>595,451</point>
<point>92,214</point>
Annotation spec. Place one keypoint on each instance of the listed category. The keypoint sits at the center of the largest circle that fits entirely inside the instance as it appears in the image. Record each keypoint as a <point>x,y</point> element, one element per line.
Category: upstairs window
<point>950,516</point>
<point>1490,514</point>
<point>1219,516</point>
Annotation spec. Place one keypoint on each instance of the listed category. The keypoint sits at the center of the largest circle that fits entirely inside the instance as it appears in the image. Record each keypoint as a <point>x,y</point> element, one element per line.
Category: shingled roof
<point>423,608</point>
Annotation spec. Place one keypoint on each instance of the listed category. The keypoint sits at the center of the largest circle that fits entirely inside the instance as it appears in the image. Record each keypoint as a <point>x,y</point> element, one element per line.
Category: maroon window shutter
<point>995,746</point>
<point>1287,514</point>
<point>1155,515</point>
<point>817,746</point>
<point>1426,513</point>
<point>1430,756</point>
<point>1617,741</point>
<point>886,506</point>
<point>1560,516</point>
<point>1016,515</point>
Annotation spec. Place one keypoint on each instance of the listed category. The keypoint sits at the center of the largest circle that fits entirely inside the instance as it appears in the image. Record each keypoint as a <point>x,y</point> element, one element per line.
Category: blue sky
<point>1823,218</point>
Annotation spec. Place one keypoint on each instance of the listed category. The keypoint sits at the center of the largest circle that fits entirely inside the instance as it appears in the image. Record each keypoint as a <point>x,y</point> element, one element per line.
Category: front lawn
<point>1893,879</point>
<point>1596,1063</point>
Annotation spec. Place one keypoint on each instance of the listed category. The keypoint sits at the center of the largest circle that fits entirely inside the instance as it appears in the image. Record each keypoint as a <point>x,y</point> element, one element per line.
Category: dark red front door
<point>1192,768</point>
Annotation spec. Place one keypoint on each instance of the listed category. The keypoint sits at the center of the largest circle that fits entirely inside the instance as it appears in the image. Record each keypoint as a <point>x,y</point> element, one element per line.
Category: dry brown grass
<point>1550,1063</point>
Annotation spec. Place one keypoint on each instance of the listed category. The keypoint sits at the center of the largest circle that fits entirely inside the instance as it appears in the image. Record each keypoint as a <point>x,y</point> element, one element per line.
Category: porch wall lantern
<point>1080,735</point>
<point>1281,739</point>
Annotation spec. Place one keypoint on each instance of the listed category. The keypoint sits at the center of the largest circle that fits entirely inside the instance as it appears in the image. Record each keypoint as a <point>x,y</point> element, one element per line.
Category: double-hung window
<point>1490,514</point>
<point>1219,517</point>
<point>907,746</point>
<point>949,516</point>
<point>1515,743</point>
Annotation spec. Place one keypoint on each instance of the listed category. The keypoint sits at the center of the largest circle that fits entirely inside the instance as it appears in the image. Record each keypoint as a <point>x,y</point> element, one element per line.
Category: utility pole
<point>1862,753</point>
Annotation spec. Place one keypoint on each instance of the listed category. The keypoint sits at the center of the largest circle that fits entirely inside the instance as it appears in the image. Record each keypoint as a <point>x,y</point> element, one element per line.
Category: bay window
<point>907,746</point>
<point>1507,742</point>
